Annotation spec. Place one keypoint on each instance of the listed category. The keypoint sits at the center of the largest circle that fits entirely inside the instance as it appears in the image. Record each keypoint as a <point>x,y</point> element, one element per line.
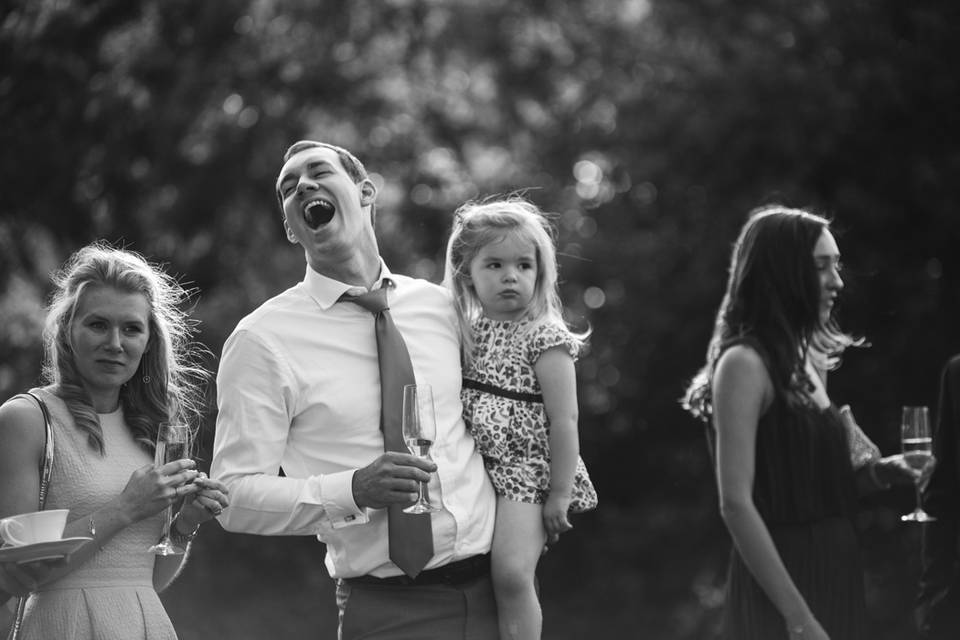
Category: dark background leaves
<point>648,128</point>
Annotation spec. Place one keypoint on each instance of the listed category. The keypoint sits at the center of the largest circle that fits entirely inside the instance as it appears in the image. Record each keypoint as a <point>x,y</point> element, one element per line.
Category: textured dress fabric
<point>508,422</point>
<point>805,491</point>
<point>111,595</point>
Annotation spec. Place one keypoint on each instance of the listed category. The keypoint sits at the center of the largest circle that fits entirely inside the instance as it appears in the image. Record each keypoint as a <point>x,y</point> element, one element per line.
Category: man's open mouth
<point>318,213</point>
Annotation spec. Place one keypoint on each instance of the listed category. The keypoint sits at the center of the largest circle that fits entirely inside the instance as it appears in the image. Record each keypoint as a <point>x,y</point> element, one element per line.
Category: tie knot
<point>373,301</point>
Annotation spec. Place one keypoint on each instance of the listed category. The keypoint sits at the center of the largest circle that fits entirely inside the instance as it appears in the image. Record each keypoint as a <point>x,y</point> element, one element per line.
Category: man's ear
<point>368,192</point>
<point>290,235</point>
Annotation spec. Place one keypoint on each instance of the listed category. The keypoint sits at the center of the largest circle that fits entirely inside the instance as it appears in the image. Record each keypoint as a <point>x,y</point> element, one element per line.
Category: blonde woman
<point>118,362</point>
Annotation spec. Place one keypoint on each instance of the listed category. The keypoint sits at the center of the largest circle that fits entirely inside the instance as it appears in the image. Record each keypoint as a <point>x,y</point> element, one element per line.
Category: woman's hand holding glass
<point>898,469</point>
<point>895,470</point>
<point>209,501</point>
<point>152,489</point>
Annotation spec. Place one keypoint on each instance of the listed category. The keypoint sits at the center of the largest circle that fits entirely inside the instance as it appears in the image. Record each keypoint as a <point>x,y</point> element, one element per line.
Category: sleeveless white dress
<point>110,596</point>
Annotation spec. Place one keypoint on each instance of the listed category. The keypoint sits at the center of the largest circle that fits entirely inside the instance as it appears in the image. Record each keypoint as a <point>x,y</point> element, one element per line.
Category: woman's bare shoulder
<point>742,371</point>
<point>744,358</point>
<point>21,422</point>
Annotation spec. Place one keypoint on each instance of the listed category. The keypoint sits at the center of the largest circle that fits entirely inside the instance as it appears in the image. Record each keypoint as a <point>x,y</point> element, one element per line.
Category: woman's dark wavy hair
<point>773,297</point>
<point>174,392</point>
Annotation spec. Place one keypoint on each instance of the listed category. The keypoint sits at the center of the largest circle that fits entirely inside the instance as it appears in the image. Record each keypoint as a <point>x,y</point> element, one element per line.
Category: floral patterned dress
<point>503,409</point>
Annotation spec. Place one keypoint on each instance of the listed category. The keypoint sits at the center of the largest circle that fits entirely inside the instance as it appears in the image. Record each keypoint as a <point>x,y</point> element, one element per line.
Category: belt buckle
<point>447,574</point>
<point>464,570</point>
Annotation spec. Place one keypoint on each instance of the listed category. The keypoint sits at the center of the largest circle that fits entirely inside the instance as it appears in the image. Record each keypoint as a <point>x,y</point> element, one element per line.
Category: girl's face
<point>504,276</point>
<point>826,256</point>
<point>109,334</point>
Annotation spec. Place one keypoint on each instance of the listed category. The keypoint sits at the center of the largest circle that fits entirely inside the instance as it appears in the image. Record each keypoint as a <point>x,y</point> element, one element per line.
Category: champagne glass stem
<point>165,546</point>
<point>424,493</point>
<point>167,521</point>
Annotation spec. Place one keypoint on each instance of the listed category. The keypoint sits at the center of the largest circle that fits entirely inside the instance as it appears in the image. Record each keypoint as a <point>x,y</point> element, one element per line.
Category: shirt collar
<point>326,291</point>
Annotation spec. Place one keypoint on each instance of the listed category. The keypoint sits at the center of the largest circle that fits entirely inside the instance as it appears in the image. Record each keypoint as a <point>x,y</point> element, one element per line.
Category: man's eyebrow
<point>290,175</point>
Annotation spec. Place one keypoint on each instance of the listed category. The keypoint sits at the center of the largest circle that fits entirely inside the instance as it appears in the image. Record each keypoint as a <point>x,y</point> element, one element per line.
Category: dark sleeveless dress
<point>805,491</point>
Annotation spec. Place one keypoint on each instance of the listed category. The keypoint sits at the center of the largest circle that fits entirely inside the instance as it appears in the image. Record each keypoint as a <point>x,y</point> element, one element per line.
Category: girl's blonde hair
<point>476,225</point>
<point>167,385</point>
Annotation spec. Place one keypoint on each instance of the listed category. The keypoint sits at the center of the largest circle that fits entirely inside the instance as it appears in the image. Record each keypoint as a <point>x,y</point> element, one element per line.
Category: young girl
<point>519,391</point>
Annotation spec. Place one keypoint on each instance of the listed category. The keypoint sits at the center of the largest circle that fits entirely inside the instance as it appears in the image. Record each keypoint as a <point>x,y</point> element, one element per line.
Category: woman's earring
<point>146,379</point>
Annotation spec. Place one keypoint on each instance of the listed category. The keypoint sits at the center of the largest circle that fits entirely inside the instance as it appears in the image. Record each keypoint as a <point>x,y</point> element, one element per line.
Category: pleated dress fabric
<point>805,491</point>
<point>111,595</point>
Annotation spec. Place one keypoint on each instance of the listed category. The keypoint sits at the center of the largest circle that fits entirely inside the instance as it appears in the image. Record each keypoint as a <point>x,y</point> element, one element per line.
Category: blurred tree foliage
<point>649,127</point>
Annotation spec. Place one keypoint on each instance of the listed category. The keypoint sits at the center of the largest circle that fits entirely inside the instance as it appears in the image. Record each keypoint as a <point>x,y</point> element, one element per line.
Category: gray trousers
<point>401,612</point>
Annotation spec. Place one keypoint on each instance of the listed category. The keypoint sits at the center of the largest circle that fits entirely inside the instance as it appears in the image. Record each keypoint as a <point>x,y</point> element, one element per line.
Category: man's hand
<point>391,479</point>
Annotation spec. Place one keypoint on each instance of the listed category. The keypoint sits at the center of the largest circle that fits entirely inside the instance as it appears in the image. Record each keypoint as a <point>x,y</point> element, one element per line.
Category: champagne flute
<point>419,430</point>
<point>917,453</point>
<point>173,443</point>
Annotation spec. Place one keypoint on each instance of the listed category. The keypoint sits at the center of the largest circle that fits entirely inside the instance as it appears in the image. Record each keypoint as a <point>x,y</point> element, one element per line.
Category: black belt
<point>453,573</point>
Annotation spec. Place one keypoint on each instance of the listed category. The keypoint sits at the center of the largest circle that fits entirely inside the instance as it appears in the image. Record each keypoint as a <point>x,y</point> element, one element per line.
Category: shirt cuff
<point>336,496</point>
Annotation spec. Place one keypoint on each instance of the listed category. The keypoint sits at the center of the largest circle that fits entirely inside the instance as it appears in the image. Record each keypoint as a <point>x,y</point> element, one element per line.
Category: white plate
<point>53,550</point>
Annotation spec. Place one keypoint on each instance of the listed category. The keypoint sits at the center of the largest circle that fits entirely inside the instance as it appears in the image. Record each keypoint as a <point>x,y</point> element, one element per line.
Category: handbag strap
<point>46,466</point>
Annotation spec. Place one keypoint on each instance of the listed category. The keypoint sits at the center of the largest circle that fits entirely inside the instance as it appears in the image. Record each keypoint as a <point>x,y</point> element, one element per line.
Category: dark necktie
<point>411,539</point>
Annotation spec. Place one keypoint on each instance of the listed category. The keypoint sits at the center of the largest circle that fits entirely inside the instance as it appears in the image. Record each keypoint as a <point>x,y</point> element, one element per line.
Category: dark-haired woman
<point>118,363</point>
<point>788,461</point>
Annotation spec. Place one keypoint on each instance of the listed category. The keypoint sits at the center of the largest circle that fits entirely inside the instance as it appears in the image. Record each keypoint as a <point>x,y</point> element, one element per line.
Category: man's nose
<point>305,184</point>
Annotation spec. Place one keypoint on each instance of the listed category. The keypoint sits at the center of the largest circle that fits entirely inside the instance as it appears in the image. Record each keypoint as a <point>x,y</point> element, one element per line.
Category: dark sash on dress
<point>504,393</point>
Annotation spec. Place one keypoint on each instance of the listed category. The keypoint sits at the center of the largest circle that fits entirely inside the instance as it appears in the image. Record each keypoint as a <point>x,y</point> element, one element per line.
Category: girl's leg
<point>518,540</point>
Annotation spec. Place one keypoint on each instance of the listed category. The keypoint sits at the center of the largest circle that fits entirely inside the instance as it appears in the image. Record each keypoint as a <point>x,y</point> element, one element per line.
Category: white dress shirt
<point>298,387</point>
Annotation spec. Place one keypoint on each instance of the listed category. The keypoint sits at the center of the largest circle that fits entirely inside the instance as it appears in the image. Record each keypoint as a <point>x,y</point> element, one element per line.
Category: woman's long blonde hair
<point>168,384</point>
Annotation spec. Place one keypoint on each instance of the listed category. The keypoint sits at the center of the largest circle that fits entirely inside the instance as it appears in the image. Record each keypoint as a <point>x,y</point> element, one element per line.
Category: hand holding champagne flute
<point>173,443</point>
<point>917,453</point>
<point>419,431</point>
